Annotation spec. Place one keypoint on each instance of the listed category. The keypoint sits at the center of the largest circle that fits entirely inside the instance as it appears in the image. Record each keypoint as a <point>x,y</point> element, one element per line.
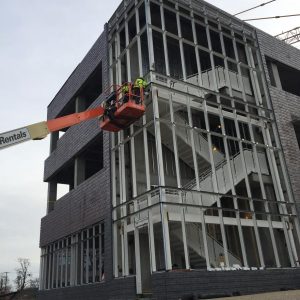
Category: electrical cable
<point>275,17</point>
<point>263,4</point>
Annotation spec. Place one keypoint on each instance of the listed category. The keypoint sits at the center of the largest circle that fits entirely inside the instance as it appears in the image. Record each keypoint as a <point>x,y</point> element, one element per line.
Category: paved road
<point>287,295</point>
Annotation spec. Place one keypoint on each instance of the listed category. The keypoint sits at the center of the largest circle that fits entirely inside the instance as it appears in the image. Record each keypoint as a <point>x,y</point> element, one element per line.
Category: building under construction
<point>200,196</point>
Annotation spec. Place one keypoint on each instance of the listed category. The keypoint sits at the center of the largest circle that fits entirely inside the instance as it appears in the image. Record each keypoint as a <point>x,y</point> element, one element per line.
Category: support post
<point>52,196</point>
<point>161,181</point>
<point>79,171</point>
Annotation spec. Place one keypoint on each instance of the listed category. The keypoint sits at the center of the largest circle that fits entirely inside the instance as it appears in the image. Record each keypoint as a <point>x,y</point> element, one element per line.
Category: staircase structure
<point>207,199</point>
<point>196,248</point>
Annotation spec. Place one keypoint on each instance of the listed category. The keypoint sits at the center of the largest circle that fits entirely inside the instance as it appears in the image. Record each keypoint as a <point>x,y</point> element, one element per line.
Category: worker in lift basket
<point>139,83</point>
<point>125,91</point>
<point>110,106</point>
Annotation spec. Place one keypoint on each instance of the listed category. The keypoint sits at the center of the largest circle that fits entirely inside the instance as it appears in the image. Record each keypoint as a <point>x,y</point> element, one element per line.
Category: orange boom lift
<point>126,107</point>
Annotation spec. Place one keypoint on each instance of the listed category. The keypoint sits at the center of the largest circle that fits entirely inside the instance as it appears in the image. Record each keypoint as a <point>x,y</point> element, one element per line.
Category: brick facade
<point>286,105</point>
<point>90,202</point>
<point>97,53</point>
<point>117,289</point>
<point>176,285</point>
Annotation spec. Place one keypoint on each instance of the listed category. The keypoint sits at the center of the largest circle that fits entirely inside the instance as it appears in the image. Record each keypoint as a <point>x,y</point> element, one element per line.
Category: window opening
<point>155,15</point>
<point>204,60</point>
<point>170,21</point>
<point>229,49</point>
<point>145,53</point>
<point>201,35</point>
<point>190,60</point>
<point>132,28</point>
<point>122,40</point>
<point>142,16</point>
<point>186,29</point>
<point>242,53</point>
<point>134,62</point>
<point>84,250</point>
<point>174,58</point>
<point>215,41</point>
<point>159,55</point>
<point>287,76</point>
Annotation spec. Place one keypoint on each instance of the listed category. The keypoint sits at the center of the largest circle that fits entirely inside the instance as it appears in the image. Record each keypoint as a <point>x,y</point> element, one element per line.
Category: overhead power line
<point>275,17</point>
<point>263,4</point>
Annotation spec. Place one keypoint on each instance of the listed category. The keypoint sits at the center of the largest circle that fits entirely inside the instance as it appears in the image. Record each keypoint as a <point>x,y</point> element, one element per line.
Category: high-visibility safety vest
<point>125,88</point>
<point>140,83</point>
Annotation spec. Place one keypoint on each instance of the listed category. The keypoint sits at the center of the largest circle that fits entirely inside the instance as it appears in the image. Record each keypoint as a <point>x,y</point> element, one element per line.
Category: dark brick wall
<point>77,137</point>
<point>286,106</point>
<point>85,205</point>
<point>90,202</point>
<point>74,140</point>
<point>80,75</point>
<point>116,289</point>
<point>279,50</point>
<point>173,285</point>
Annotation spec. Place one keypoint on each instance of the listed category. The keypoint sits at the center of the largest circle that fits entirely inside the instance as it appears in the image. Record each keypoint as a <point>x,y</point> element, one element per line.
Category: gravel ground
<point>286,295</point>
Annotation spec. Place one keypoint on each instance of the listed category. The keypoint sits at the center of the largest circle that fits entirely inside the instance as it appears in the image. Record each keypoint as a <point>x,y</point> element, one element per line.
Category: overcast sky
<point>41,42</point>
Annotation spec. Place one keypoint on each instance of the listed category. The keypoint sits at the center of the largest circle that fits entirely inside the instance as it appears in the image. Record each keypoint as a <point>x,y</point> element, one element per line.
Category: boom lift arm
<point>38,131</point>
<point>122,109</point>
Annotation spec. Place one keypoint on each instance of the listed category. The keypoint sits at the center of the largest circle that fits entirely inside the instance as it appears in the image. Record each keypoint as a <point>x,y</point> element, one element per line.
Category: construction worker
<point>140,83</point>
<point>125,91</point>
<point>110,106</point>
